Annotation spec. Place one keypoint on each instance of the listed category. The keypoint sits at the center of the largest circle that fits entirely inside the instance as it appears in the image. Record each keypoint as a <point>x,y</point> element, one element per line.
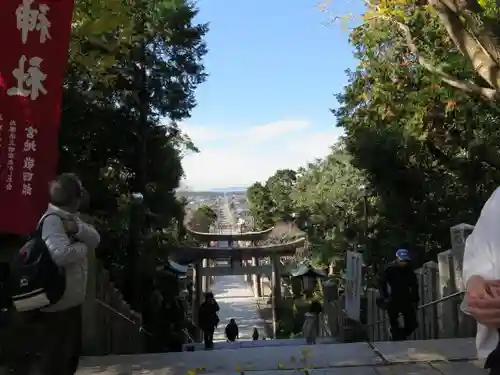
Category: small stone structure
<point>440,286</point>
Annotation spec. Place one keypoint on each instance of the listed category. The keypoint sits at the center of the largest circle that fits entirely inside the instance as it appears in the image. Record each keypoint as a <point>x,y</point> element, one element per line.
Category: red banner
<point>34,37</point>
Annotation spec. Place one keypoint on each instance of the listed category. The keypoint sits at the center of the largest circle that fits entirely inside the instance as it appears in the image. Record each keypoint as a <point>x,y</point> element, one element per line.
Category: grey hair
<point>66,190</point>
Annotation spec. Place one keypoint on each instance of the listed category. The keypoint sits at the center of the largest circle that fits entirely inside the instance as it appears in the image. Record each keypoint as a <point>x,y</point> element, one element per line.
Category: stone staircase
<point>431,357</point>
<point>257,344</point>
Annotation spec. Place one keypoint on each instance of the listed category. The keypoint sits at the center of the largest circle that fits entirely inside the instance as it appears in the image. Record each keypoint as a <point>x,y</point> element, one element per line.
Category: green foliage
<point>280,187</point>
<point>291,317</point>
<point>426,152</point>
<point>102,131</point>
<point>416,139</point>
<point>323,200</point>
<point>261,205</point>
<point>202,218</point>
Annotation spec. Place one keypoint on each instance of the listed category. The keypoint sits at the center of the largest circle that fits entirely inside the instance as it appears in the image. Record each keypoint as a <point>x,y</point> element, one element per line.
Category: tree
<point>202,219</point>
<point>261,205</point>
<point>328,200</point>
<point>280,186</point>
<point>472,26</point>
<point>428,149</point>
<point>425,146</point>
<point>107,109</point>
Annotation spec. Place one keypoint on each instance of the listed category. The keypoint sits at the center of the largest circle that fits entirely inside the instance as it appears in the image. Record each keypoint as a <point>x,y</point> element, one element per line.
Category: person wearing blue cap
<point>398,287</point>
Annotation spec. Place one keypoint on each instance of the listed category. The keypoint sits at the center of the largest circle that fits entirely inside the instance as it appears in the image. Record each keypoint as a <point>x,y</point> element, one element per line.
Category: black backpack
<point>35,280</point>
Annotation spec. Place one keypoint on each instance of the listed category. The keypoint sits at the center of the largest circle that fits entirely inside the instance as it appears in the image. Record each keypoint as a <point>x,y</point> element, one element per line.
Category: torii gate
<point>240,256</point>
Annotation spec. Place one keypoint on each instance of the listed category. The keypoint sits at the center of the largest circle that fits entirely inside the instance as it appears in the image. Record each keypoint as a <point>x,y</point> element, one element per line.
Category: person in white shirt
<point>481,275</point>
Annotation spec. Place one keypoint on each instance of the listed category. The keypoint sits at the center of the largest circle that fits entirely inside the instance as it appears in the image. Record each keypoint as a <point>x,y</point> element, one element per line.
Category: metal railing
<point>140,326</point>
<point>432,303</point>
<point>124,317</point>
<point>326,331</point>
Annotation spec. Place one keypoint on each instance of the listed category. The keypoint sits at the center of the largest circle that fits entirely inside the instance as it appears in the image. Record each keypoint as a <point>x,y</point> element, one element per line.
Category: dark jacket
<point>255,335</point>
<point>398,283</point>
<point>232,331</point>
<point>207,316</point>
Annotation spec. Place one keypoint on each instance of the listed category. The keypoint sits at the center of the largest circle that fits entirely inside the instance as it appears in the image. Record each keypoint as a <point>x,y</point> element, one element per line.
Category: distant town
<point>234,199</point>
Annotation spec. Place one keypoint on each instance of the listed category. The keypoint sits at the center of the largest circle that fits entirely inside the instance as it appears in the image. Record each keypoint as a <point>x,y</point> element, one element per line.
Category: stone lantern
<point>308,276</point>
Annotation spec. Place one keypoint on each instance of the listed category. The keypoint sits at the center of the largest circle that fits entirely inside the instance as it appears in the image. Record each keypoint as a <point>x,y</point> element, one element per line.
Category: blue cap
<point>403,254</point>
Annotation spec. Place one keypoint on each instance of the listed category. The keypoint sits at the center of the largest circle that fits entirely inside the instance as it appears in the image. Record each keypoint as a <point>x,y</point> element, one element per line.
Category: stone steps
<point>431,357</point>
<point>258,343</point>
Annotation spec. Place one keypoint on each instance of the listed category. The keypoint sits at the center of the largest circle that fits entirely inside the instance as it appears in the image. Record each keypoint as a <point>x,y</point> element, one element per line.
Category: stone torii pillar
<point>204,281</point>
<point>205,284</point>
<point>257,291</point>
<point>276,290</point>
<point>198,294</point>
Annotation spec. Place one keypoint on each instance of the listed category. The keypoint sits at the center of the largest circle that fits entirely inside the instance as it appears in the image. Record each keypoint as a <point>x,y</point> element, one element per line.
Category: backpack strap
<point>39,227</point>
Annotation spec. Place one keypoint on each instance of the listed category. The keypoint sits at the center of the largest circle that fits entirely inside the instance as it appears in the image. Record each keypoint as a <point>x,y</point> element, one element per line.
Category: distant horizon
<point>230,189</point>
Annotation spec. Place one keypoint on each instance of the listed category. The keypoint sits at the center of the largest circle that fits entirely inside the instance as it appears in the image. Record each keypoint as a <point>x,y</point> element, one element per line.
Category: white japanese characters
<point>31,19</point>
<point>29,74</point>
<point>11,154</point>
<point>29,148</point>
<point>30,81</point>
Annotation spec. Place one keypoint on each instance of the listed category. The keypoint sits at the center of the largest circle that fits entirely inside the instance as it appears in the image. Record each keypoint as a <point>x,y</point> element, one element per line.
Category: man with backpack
<point>398,287</point>
<point>66,239</point>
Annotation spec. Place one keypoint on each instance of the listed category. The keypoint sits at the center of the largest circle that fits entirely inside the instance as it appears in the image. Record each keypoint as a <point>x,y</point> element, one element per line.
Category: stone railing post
<point>430,294</point>
<point>371,312</point>
<point>459,234</point>
<point>447,310</point>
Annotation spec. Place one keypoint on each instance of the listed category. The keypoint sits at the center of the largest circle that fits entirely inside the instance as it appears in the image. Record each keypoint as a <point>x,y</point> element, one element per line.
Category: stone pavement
<point>432,357</point>
<point>236,300</point>
<point>257,343</point>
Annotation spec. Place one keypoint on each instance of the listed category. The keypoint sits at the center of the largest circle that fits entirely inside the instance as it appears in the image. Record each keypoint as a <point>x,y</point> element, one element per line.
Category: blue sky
<point>274,67</point>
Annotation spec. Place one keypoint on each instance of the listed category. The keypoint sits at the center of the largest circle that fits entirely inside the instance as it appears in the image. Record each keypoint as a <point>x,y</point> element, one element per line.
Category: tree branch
<point>466,86</point>
<point>477,46</point>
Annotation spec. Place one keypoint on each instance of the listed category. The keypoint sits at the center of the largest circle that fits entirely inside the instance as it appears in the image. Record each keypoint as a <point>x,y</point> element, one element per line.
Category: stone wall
<point>441,292</point>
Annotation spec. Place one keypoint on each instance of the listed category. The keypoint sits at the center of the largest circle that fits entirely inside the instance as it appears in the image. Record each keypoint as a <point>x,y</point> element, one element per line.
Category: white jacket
<point>482,257</point>
<point>70,254</point>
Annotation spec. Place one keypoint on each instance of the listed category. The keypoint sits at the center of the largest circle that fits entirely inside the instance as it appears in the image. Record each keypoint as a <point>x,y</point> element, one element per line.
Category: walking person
<point>398,287</point>
<point>310,328</point>
<point>232,331</point>
<point>255,334</point>
<point>208,319</point>
<point>59,326</point>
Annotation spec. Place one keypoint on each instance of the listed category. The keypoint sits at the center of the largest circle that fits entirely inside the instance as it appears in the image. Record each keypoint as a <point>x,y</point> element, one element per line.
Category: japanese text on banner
<point>32,70</point>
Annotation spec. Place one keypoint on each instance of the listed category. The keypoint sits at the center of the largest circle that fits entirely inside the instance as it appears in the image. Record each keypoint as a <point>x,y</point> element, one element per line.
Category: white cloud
<point>239,158</point>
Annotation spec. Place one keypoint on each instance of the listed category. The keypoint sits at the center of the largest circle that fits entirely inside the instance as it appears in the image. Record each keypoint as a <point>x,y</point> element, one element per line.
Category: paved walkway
<point>236,301</point>
<point>432,357</point>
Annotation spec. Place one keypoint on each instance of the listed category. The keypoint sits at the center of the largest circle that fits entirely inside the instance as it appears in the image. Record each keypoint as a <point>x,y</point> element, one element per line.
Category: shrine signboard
<point>34,35</point>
